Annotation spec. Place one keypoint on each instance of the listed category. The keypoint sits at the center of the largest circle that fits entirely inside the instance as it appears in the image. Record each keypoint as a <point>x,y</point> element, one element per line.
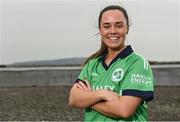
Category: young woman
<point>115,83</point>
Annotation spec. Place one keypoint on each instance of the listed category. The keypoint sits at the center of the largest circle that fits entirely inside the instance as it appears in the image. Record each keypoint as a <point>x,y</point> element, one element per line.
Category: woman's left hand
<point>83,86</point>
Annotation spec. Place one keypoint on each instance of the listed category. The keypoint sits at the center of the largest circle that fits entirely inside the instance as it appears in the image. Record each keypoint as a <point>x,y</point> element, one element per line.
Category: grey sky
<point>52,29</point>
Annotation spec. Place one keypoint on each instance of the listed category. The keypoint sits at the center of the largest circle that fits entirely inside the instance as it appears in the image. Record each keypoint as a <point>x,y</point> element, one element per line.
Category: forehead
<point>112,15</point>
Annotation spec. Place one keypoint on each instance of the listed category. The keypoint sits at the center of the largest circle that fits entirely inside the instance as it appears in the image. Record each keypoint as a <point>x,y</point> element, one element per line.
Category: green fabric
<point>125,74</point>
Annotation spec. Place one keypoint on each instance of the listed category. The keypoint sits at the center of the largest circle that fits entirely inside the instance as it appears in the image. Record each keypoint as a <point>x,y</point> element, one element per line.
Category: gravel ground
<point>50,103</point>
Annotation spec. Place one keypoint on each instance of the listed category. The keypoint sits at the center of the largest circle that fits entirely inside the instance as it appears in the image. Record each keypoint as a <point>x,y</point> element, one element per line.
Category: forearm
<point>124,107</point>
<point>107,108</point>
<point>82,99</point>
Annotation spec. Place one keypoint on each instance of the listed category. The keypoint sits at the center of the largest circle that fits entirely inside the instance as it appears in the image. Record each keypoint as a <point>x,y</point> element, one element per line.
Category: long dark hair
<point>103,49</point>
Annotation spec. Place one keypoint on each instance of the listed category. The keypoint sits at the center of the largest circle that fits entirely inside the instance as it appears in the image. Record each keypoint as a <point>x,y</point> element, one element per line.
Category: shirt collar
<point>123,54</point>
<point>126,52</point>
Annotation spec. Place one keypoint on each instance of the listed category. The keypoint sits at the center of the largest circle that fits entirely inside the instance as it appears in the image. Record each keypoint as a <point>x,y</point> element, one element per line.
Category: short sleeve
<point>83,74</point>
<point>138,80</point>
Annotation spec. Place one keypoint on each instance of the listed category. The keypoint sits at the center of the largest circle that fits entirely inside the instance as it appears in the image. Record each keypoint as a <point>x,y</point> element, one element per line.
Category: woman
<point>115,84</point>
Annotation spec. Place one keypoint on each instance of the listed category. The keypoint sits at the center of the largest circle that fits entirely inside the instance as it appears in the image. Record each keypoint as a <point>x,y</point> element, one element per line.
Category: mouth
<point>113,38</point>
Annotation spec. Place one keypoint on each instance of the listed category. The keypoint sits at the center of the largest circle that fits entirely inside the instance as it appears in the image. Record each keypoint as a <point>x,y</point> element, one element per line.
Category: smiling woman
<point>114,84</point>
<point>113,29</point>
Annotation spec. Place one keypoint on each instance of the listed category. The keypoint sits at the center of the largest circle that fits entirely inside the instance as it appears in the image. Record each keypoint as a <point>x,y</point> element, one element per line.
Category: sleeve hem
<point>145,95</point>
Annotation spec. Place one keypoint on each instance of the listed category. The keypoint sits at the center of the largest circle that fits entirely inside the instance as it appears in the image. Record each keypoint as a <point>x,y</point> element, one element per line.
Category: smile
<point>113,38</point>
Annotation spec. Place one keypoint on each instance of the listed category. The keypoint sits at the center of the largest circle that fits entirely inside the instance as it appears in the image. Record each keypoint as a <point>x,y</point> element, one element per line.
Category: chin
<point>116,47</point>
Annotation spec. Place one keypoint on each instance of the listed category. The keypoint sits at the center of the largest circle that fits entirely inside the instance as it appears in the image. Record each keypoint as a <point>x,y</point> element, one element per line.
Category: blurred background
<point>44,42</point>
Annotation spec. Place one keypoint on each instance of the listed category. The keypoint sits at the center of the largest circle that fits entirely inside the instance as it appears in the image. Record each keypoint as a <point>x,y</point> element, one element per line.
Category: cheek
<point>103,32</point>
<point>123,32</point>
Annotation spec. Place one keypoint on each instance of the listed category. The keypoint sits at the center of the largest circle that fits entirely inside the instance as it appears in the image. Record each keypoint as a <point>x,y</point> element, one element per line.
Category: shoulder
<point>92,62</point>
<point>138,60</point>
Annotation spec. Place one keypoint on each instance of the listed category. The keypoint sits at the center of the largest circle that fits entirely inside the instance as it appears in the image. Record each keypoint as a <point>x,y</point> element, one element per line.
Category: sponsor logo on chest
<point>141,79</point>
<point>101,87</point>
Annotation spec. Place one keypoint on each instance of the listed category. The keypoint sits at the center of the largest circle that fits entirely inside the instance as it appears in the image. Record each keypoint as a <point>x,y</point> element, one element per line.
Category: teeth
<point>113,38</point>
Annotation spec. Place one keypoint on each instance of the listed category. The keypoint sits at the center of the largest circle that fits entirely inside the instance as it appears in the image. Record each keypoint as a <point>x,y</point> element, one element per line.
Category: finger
<point>88,85</point>
<point>83,85</point>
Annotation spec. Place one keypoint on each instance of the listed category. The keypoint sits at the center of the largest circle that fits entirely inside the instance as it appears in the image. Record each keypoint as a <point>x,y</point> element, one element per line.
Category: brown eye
<point>106,27</point>
<point>119,26</point>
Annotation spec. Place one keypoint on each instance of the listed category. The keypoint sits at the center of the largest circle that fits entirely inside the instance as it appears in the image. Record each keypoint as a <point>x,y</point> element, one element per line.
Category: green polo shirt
<point>128,74</point>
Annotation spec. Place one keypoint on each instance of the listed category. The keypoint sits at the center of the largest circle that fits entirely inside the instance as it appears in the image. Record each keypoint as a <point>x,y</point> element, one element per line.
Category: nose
<point>113,30</point>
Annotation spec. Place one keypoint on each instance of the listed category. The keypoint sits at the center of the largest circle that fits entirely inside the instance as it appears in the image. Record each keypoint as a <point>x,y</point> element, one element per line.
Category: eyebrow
<point>109,23</point>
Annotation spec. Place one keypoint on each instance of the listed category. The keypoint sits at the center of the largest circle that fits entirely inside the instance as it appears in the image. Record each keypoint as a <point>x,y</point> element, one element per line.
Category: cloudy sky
<point>53,29</point>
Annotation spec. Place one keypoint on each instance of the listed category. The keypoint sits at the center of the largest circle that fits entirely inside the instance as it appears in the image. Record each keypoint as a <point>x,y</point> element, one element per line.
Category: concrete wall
<point>167,76</point>
<point>66,76</point>
<point>38,77</point>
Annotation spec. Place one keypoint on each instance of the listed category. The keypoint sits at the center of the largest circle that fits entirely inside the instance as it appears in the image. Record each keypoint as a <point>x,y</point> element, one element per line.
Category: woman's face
<point>113,29</point>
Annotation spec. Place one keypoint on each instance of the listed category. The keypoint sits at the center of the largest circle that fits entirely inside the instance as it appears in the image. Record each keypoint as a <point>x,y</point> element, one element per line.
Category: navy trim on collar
<point>123,54</point>
<point>126,52</point>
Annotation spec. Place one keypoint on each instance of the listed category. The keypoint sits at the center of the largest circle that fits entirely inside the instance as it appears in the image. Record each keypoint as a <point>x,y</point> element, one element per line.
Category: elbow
<point>77,104</point>
<point>72,102</point>
<point>125,114</point>
<point>122,115</point>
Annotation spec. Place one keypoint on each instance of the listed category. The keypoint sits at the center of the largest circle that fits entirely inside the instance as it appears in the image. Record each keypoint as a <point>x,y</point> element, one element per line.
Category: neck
<point>113,53</point>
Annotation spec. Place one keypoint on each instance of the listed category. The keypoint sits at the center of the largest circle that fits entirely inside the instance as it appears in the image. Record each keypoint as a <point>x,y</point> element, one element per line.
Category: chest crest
<point>117,75</point>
